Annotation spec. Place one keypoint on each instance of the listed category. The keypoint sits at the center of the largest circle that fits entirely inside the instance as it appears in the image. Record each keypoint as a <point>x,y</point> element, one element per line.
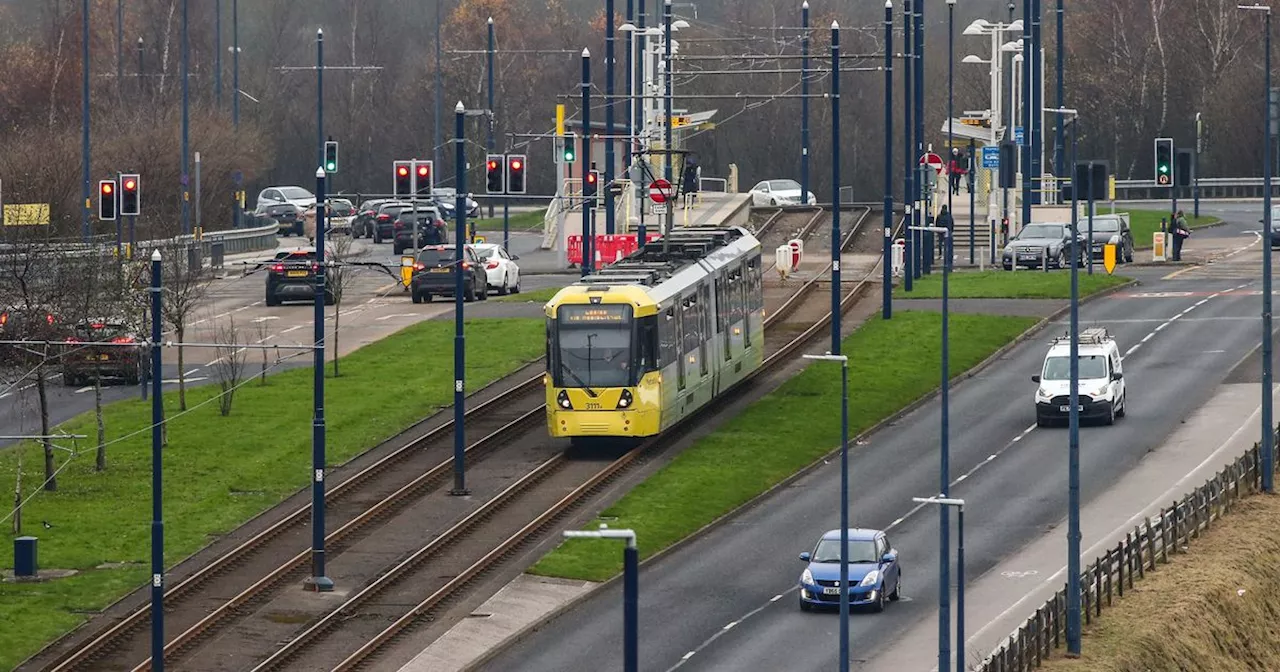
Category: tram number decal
<point>593,406</point>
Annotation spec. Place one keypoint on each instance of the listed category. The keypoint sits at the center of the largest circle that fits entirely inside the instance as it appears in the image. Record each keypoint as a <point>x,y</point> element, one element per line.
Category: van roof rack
<point>1090,336</point>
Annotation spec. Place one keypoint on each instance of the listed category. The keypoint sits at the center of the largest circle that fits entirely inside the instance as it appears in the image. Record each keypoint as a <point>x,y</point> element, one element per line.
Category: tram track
<point>495,525</point>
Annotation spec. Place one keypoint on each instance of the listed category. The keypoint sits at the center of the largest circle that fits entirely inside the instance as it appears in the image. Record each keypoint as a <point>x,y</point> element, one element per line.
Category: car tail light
<point>122,339</point>
<point>491,265</point>
<point>315,267</point>
<point>384,217</point>
<point>419,266</point>
<point>73,339</point>
<point>466,265</point>
<point>278,268</point>
<point>399,225</point>
<point>4,317</point>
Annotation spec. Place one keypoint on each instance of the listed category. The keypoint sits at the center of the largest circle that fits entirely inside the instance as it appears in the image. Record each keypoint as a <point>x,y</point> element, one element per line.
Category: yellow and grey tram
<point>646,341</point>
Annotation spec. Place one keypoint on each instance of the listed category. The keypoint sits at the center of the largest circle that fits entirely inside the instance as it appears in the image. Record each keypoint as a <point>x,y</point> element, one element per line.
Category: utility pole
<point>459,333</point>
<point>886,281</point>
<point>235,63</point>
<point>84,148</point>
<point>186,122</point>
<point>609,140</point>
<point>489,76</point>
<point>157,462</point>
<point>217,53</point>
<point>908,107</point>
<point>804,103</point>
<point>436,142</point>
<point>588,203</point>
<point>669,147</point>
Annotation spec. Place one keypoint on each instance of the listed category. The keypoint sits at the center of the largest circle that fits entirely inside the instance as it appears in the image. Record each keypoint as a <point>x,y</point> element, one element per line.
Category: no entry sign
<point>658,190</point>
<point>933,161</point>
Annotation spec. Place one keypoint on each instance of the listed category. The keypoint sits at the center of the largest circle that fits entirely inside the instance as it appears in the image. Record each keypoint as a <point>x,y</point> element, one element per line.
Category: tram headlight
<point>624,401</point>
<point>563,400</point>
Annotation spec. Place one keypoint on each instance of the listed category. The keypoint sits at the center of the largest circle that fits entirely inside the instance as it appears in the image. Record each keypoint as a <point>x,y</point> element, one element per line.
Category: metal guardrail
<point>1151,542</point>
<point>234,241</point>
<point>1210,188</point>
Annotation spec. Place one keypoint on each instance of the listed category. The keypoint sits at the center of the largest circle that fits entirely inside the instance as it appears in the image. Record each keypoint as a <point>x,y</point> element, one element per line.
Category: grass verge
<point>1009,285</point>
<point>1220,597</point>
<point>541,295</point>
<point>779,434</point>
<point>220,471</point>
<point>518,221</point>
<point>1145,223</point>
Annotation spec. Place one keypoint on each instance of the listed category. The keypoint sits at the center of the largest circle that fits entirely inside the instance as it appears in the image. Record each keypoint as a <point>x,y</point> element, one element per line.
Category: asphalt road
<point>727,601</point>
<point>373,307</point>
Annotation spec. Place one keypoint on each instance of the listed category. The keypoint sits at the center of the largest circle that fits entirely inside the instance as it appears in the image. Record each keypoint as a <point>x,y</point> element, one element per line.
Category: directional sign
<point>933,161</point>
<point>659,190</point>
<point>1109,258</point>
<point>990,157</point>
<point>659,208</point>
<point>1018,135</point>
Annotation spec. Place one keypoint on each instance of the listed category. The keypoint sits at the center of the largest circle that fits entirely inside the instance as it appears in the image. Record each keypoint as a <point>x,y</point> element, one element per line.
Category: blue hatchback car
<point>874,574</point>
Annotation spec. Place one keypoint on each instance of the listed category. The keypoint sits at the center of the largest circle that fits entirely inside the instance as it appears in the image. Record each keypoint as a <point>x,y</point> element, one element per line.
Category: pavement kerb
<point>1036,328</point>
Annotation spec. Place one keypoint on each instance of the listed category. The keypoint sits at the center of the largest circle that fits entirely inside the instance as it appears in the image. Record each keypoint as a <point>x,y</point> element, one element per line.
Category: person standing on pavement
<point>1180,232</point>
<point>957,169</point>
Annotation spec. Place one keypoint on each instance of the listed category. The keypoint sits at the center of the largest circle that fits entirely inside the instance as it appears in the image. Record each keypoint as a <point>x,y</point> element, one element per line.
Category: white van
<point>1101,376</point>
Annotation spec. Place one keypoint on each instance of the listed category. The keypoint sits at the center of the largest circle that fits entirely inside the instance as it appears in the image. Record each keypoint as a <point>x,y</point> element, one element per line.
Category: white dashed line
<point>84,389</point>
<point>193,371</point>
<point>293,328</point>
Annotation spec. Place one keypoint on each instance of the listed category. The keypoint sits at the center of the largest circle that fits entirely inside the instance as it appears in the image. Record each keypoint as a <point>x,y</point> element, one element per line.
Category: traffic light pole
<point>157,462</point>
<point>459,334</point>
<point>84,148</point>
<point>186,122</point>
<point>489,75</point>
<point>318,582</point>
<point>666,89</point>
<point>908,191</point>
<point>588,227</point>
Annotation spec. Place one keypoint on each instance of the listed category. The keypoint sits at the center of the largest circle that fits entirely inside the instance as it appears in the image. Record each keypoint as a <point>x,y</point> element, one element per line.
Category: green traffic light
<point>1164,168</point>
<point>330,166</point>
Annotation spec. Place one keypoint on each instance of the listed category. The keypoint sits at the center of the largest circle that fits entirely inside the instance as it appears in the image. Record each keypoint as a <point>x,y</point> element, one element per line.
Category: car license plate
<point>1026,257</point>
<point>830,591</point>
<point>297,274</point>
<point>440,270</point>
<point>1066,409</point>
<point>104,357</point>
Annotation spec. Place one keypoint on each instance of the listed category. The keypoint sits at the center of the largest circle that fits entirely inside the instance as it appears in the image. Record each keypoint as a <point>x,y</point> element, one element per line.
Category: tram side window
<point>551,364</point>
<point>704,319</point>
<point>757,295</point>
<point>722,315</point>
<point>744,288</point>
<point>735,296</point>
<point>648,336</point>
<point>667,338</point>
<point>690,322</point>
<point>681,325</point>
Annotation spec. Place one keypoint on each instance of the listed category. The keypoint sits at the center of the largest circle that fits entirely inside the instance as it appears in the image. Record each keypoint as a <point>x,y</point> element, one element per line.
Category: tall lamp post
<point>804,101</point>
<point>1268,429</point>
<point>908,108</point>
<point>609,139</point>
<point>630,589</point>
<point>186,121</point>
<point>844,498</point>
<point>84,147</point>
<point>157,458</point>
<point>886,280</point>
<point>944,503</point>
<point>1073,439</point>
<point>319,581</point>
<point>459,333</point>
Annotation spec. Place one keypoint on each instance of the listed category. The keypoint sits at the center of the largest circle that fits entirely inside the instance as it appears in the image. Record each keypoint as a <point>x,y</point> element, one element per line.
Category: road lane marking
<point>84,389</point>
<point>174,381</point>
<point>264,318</point>
<point>293,328</point>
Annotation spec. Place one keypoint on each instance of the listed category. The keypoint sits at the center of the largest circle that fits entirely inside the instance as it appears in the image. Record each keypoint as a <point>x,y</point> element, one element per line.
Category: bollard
<point>1044,261</point>
<point>24,558</point>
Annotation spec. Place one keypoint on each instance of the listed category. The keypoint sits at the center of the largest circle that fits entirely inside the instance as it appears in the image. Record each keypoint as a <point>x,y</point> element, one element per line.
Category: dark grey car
<point>1034,241</point>
<point>1109,229</point>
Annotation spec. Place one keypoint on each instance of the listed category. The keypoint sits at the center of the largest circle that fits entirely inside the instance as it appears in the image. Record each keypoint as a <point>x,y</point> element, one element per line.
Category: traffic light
<point>403,179</point>
<point>129,185</point>
<point>570,148</point>
<point>1182,174</point>
<point>591,186</point>
<point>106,200</point>
<point>1008,165</point>
<point>331,156</point>
<point>422,178</point>
<point>494,174</point>
<point>515,173</point>
<point>1164,162</point>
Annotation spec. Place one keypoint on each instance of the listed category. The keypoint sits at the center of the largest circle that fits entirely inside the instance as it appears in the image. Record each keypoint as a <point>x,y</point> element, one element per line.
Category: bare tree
<point>228,368</point>
<point>337,277</point>
<point>184,286</point>
<point>261,329</point>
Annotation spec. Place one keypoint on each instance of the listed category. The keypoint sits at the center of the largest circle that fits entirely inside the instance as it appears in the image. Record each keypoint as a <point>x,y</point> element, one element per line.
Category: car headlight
<point>1041,394</point>
<point>563,400</point>
<point>1115,240</point>
<point>806,577</point>
<point>871,579</point>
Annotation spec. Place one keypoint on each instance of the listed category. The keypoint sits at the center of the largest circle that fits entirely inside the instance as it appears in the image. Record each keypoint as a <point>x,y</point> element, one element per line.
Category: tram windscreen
<point>594,346</point>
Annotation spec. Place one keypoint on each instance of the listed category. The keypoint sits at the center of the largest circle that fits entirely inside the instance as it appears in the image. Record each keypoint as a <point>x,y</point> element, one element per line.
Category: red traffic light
<point>493,165</point>
<point>591,178</point>
<point>402,171</point>
<point>423,171</point>
<point>130,185</point>
<point>516,164</point>
<point>106,187</point>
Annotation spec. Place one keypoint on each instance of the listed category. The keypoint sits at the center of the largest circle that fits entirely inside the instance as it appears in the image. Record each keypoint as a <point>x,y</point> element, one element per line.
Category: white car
<point>341,213</point>
<point>1100,375</point>
<point>774,193</point>
<point>278,195</point>
<point>500,267</point>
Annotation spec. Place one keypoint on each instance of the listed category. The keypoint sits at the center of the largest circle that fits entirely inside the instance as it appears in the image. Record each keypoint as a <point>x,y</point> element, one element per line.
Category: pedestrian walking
<point>1180,233</point>
<point>944,221</point>
<point>692,178</point>
<point>957,169</point>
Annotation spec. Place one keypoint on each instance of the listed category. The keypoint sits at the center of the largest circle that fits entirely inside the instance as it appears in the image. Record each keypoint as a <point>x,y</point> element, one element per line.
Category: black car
<point>435,269</point>
<point>362,225</point>
<point>447,199</point>
<point>293,278</point>
<point>286,215</point>
<point>419,227</point>
<point>384,222</point>
<point>1109,229</point>
<point>123,360</point>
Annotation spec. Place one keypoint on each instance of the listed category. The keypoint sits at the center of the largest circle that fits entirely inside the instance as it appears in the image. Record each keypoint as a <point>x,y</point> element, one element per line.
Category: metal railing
<point>234,241</point>
<point>1149,544</point>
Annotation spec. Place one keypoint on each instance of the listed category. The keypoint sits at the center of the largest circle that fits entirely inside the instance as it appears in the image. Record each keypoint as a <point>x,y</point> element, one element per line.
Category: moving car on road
<point>447,199</point>
<point>774,193</point>
<point>1028,248</point>
<point>293,278</point>
<point>341,212</point>
<point>82,363</point>
<point>384,222</point>
<point>874,574</point>
<point>362,224</point>
<point>298,197</point>
<point>1110,229</point>
<point>418,227</point>
<point>1101,376</point>
<point>434,269</point>
<point>503,273</point>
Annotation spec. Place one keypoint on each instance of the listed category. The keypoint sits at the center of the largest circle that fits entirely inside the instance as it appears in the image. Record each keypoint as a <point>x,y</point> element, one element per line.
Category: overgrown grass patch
<point>220,471</point>
<point>780,434</point>
<point>541,295</point>
<point>517,221</point>
<point>1010,285</point>
<point>1145,223</point>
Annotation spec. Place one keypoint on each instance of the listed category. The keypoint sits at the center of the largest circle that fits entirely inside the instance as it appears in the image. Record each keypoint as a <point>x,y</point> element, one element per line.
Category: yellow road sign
<point>560,120</point>
<point>1109,258</point>
<point>679,120</point>
<point>406,270</point>
<point>1111,188</point>
<point>26,214</point>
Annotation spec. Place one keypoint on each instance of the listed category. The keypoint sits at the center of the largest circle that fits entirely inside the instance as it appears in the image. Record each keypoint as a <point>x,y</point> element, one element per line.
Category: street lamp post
<point>1073,439</point>
<point>235,63</point>
<point>588,226</point>
<point>886,280</point>
<point>630,589</point>
<point>668,82</point>
<point>1268,429</point>
<point>944,503</point>
<point>844,498</point>
<point>1058,149</point>
<point>157,461</point>
<point>835,187</point>
<point>459,334</point>
<point>186,120</point>
<point>319,581</point>
<point>217,53</point>
<point>84,109</point>
<point>922,264</point>
<point>804,102</point>
<point>908,107</point>
<point>609,139</point>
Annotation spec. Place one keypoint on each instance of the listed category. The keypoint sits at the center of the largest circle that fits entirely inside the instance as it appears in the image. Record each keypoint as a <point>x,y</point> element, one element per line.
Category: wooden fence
<point>1149,544</point>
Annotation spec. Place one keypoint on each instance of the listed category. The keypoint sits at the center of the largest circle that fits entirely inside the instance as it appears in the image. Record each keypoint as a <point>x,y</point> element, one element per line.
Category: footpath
<point>1001,600</point>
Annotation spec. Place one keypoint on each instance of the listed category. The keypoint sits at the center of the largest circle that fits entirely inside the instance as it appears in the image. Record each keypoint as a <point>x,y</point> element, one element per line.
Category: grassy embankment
<point>1009,285</point>
<point>518,221</point>
<point>220,471</point>
<point>1221,597</point>
<point>780,434</point>
<point>1144,223</point>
